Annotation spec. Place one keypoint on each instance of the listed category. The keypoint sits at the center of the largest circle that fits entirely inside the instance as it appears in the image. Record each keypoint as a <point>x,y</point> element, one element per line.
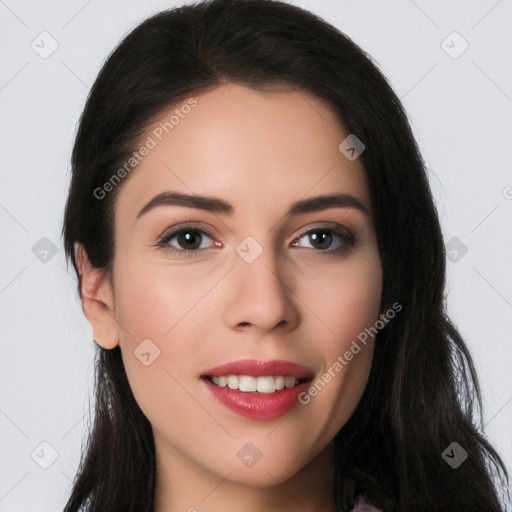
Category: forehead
<point>260,150</point>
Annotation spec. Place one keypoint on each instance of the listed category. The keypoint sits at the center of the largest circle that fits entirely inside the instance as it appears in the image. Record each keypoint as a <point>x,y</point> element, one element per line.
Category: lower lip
<point>258,406</point>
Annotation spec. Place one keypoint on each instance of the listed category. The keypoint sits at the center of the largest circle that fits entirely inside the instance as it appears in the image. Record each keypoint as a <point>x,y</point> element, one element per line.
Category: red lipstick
<point>255,405</point>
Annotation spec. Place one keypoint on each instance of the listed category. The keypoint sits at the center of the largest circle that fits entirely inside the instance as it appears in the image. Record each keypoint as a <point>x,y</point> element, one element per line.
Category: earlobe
<point>97,300</point>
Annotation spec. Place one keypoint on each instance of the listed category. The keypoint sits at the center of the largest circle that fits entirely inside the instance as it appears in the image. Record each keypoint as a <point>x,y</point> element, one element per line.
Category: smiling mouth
<point>267,384</point>
<point>258,390</point>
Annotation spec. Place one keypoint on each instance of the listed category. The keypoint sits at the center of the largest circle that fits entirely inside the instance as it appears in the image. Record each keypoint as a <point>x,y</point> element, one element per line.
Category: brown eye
<point>330,241</point>
<point>186,241</point>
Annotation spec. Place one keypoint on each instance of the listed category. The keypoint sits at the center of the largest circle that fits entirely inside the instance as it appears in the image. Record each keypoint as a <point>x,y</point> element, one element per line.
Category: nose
<point>260,295</point>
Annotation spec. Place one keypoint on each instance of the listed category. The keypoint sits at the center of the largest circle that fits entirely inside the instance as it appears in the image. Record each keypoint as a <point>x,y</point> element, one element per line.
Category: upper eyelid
<point>183,226</point>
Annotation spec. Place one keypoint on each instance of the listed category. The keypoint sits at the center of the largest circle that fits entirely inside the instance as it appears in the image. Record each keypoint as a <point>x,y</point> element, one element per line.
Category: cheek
<point>345,300</point>
<point>153,309</point>
<point>154,300</point>
<point>348,306</point>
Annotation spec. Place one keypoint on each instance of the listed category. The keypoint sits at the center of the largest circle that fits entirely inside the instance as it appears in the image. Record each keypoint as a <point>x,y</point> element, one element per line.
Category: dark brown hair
<point>422,386</point>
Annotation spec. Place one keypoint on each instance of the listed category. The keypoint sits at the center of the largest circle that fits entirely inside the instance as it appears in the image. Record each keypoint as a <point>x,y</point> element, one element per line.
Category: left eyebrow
<point>217,205</point>
<point>319,203</point>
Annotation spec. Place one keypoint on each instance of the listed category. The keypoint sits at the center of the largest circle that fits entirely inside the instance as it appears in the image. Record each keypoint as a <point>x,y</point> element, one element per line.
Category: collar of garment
<point>363,505</point>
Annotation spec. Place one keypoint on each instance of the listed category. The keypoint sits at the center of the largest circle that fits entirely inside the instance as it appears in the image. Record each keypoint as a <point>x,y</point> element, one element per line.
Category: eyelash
<point>345,236</point>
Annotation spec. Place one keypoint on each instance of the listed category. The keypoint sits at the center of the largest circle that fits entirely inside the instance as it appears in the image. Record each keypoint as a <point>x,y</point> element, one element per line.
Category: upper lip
<point>260,368</point>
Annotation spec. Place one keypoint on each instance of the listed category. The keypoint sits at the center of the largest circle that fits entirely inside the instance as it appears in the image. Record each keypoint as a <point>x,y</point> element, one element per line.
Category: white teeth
<point>250,384</point>
<point>246,383</point>
<point>266,384</point>
<point>232,382</point>
<point>289,382</point>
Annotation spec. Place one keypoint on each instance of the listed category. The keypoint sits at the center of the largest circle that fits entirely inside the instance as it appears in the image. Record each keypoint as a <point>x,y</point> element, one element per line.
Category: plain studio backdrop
<point>448,61</point>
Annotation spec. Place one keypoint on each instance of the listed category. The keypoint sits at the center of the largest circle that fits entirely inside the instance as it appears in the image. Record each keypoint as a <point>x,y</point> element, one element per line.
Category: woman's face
<point>245,282</point>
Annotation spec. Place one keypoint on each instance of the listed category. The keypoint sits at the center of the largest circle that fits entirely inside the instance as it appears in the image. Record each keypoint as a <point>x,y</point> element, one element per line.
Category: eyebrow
<point>216,205</point>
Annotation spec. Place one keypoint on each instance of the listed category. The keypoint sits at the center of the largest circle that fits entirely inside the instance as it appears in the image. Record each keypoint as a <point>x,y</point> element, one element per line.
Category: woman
<point>241,366</point>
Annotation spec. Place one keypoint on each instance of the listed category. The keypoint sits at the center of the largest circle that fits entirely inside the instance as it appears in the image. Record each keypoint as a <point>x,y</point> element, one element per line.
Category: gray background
<point>460,106</point>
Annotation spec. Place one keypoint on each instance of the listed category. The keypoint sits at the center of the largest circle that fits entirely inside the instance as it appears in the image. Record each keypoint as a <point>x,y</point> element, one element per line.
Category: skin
<point>260,151</point>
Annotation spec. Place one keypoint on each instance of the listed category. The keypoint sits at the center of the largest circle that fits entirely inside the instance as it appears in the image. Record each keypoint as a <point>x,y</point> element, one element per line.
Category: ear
<point>97,300</point>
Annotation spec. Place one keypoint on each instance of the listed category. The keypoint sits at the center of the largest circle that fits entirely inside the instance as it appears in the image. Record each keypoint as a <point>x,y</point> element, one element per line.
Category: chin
<point>263,475</point>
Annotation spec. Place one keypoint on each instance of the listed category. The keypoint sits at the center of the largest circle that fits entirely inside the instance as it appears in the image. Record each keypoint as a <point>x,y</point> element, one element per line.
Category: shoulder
<point>362,504</point>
